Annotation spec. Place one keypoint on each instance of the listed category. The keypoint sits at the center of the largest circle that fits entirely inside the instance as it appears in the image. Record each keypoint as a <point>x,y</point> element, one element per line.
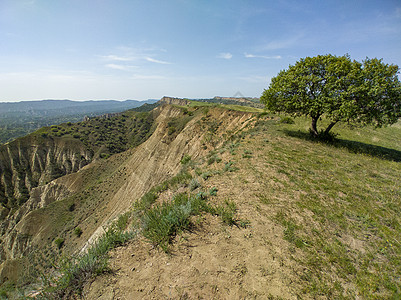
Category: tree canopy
<point>339,89</point>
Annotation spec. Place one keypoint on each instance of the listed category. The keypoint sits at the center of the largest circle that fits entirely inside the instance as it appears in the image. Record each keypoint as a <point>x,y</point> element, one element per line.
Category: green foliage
<point>194,184</point>
<point>287,120</point>
<point>22,118</point>
<point>186,159</point>
<point>171,130</point>
<point>76,270</point>
<point>78,231</point>
<point>227,212</point>
<point>176,125</point>
<point>229,167</point>
<point>59,242</point>
<point>339,89</point>
<point>162,222</point>
<point>213,191</point>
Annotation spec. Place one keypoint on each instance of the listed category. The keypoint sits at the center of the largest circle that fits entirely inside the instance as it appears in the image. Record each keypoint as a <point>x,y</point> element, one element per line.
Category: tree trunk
<point>314,126</point>
<point>329,127</point>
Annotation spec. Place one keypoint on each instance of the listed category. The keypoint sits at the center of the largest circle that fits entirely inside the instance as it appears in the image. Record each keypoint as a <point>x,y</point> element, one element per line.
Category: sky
<point>131,49</point>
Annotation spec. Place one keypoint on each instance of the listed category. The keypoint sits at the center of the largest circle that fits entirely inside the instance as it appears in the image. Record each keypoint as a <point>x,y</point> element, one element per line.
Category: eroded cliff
<point>99,192</point>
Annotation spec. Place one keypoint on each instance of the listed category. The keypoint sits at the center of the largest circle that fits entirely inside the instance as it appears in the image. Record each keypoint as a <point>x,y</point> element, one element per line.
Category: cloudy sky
<point>131,49</point>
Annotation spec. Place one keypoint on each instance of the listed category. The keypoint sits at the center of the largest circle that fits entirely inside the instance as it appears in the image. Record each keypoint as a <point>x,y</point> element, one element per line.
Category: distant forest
<point>21,118</point>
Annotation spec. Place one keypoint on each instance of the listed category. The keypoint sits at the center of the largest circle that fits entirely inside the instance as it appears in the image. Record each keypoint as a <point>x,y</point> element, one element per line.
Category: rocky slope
<point>100,191</point>
<point>34,160</point>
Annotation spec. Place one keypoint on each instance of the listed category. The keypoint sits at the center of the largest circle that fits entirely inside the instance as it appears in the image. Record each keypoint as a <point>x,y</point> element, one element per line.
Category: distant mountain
<point>53,106</point>
<point>20,118</point>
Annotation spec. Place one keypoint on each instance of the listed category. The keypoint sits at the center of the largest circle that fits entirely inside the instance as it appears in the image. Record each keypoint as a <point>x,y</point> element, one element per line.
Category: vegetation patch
<point>76,270</point>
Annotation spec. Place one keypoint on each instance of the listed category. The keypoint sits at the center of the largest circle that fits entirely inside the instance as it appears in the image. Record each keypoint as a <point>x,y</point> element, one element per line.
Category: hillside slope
<point>43,228</point>
<point>220,204</point>
<point>18,119</point>
<point>313,221</point>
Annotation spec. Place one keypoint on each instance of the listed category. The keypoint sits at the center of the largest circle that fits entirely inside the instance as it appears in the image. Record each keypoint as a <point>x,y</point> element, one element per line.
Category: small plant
<point>226,212</point>
<point>247,154</point>
<point>171,130</point>
<point>206,175</point>
<point>78,231</point>
<point>59,242</point>
<point>213,191</point>
<point>165,220</point>
<point>71,207</point>
<point>194,184</point>
<point>287,120</point>
<point>228,167</point>
<point>186,159</point>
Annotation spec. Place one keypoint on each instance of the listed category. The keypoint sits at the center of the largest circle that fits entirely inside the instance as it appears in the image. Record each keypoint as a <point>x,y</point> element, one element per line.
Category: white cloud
<point>262,56</point>
<point>225,55</point>
<point>147,77</point>
<point>120,67</point>
<point>117,58</point>
<point>157,61</point>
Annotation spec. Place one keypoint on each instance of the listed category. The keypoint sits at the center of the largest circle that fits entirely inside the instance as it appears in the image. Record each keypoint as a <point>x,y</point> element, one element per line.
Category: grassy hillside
<point>21,118</point>
<point>298,219</point>
<point>268,214</point>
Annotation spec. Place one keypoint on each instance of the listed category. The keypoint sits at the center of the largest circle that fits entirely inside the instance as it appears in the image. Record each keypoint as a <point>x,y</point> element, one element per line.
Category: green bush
<point>226,212</point>
<point>78,231</point>
<point>186,159</point>
<point>228,167</point>
<point>171,130</point>
<point>76,270</point>
<point>59,242</point>
<point>287,120</point>
<point>164,221</point>
<point>213,191</point>
<point>194,184</point>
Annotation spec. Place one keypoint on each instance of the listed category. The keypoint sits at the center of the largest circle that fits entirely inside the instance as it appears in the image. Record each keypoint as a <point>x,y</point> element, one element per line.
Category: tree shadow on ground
<point>351,146</point>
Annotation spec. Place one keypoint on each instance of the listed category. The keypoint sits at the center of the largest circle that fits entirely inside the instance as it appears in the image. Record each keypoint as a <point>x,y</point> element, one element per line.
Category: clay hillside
<point>187,199</point>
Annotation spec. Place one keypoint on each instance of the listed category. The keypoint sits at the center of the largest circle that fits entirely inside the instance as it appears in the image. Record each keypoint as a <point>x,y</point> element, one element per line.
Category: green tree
<point>339,89</point>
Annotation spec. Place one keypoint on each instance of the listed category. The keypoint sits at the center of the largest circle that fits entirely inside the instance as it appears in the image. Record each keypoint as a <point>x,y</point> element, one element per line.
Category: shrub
<point>226,212</point>
<point>76,270</point>
<point>186,159</point>
<point>59,242</point>
<point>287,120</point>
<point>194,184</point>
<point>228,167</point>
<point>213,191</point>
<point>164,221</point>
<point>171,130</point>
<point>78,231</point>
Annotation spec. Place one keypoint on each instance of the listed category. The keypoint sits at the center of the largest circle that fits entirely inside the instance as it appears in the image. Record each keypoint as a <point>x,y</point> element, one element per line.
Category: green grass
<point>163,221</point>
<point>226,106</point>
<point>347,199</point>
<point>76,270</point>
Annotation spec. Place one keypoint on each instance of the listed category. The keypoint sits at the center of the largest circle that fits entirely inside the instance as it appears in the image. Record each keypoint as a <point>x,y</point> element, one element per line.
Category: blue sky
<point>129,49</point>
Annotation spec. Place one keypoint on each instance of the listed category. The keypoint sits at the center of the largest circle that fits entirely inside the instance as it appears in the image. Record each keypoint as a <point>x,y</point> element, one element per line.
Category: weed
<point>226,212</point>
<point>185,159</point>
<point>59,242</point>
<point>78,231</point>
<point>165,220</point>
<point>213,191</point>
<point>76,270</point>
<point>194,184</point>
<point>287,120</point>
<point>229,167</point>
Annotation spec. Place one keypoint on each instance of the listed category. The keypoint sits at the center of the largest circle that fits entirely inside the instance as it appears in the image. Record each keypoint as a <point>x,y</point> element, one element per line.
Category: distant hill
<point>20,118</point>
